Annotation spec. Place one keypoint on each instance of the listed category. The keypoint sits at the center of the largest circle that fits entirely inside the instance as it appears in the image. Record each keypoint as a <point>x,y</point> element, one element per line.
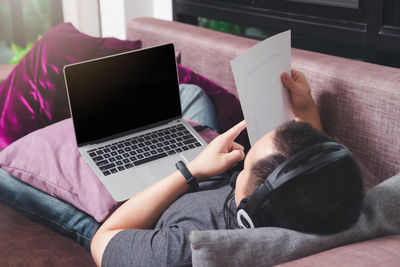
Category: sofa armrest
<point>384,251</point>
<point>5,70</point>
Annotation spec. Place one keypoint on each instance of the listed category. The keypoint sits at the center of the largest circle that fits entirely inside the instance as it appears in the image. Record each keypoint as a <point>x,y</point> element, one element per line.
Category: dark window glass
<point>391,13</point>
<point>338,3</point>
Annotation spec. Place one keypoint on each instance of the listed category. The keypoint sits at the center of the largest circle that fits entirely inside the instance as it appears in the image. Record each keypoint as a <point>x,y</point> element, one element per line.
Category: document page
<point>265,101</point>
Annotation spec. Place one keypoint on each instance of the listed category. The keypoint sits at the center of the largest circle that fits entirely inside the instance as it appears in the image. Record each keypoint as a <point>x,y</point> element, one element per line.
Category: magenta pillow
<point>48,159</point>
<point>228,107</point>
<point>34,94</point>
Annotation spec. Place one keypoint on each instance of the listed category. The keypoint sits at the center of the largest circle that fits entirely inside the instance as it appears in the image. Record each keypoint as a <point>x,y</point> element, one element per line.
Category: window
<point>339,3</point>
<point>23,21</point>
<point>367,30</point>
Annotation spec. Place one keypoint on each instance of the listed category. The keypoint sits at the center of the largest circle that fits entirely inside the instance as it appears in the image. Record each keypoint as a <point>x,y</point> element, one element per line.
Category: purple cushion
<point>34,94</point>
<point>228,107</point>
<point>48,159</point>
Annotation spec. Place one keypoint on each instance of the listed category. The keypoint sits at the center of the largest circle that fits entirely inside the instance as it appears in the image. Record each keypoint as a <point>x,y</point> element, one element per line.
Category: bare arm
<point>143,210</point>
<point>303,106</point>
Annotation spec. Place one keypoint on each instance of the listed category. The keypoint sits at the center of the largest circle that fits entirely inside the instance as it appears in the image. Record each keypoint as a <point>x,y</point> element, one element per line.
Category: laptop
<point>127,118</point>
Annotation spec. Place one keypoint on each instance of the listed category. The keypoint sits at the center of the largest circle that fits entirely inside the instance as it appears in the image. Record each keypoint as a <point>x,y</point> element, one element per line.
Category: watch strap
<point>190,179</point>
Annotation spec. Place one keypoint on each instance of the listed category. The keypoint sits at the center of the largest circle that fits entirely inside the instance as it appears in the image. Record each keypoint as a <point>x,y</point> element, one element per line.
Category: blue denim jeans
<point>196,106</point>
<point>48,210</point>
<point>65,218</point>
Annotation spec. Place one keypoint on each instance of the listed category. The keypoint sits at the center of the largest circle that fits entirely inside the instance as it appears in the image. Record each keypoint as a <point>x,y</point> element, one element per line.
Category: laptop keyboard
<point>138,150</point>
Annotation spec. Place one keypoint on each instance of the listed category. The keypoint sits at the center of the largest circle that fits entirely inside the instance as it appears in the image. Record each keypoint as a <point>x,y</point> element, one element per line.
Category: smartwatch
<point>190,179</point>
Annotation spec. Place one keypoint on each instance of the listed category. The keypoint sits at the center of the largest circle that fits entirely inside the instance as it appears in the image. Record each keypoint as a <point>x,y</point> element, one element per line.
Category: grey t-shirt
<point>168,243</point>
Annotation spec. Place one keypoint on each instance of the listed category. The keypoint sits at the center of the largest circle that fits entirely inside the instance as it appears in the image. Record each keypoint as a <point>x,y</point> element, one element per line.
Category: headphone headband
<point>303,161</point>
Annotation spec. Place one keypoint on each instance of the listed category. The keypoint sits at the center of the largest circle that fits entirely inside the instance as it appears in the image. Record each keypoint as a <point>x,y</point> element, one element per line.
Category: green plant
<point>19,52</point>
<point>221,26</point>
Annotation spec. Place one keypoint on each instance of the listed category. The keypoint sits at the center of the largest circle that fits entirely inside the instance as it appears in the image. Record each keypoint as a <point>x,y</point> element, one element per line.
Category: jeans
<point>48,210</point>
<point>197,107</point>
<point>65,218</point>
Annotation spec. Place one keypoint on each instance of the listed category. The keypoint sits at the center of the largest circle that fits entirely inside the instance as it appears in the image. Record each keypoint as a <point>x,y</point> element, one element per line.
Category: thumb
<point>288,81</point>
<point>234,157</point>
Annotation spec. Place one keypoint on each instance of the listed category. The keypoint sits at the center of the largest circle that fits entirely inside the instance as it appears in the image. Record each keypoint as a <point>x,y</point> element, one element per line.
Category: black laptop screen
<point>118,94</point>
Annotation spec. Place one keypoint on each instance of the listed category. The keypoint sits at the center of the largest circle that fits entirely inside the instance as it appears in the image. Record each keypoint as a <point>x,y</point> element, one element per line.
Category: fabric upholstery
<point>384,251</point>
<point>27,243</point>
<point>270,245</point>
<point>359,102</point>
<point>34,94</point>
<point>360,105</point>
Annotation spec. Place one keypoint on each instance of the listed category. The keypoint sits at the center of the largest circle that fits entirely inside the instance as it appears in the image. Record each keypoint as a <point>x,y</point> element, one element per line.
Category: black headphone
<point>304,161</point>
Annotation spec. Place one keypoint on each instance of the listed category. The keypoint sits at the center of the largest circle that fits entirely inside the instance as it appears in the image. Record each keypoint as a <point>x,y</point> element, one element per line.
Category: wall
<point>162,9</point>
<point>116,14</point>
<point>112,18</point>
<point>84,15</point>
<point>109,18</point>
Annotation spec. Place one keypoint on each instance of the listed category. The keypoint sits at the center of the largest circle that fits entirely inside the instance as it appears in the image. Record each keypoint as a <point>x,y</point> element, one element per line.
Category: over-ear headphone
<point>310,158</point>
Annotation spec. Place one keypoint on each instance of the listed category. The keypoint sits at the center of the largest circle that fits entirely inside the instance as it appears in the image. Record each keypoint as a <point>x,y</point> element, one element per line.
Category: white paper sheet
<point>265,101</point>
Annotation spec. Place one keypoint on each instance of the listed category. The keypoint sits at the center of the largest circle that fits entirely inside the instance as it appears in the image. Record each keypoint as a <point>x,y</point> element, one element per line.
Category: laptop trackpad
<point>159,169</point>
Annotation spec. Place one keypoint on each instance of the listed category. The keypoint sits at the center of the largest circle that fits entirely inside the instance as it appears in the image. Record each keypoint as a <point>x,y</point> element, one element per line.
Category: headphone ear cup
<point>244,220</point>
<point>263,218</point>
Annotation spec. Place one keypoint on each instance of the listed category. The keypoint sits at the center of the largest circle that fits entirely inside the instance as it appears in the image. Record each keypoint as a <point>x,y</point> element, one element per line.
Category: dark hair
<point>326,200</point>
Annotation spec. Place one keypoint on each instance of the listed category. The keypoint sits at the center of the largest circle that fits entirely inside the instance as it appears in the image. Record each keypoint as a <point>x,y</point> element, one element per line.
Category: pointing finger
<point>234,132</point>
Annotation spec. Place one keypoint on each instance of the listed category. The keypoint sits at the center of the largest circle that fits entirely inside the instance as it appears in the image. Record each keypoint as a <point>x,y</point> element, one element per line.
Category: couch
<point>359,104</point>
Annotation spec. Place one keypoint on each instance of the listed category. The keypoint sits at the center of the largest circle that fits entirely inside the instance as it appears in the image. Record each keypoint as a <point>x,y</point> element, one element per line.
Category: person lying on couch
<point>295,177</point>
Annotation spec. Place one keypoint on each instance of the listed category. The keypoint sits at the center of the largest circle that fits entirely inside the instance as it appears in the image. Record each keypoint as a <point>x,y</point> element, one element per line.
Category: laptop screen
<point>124,92</point>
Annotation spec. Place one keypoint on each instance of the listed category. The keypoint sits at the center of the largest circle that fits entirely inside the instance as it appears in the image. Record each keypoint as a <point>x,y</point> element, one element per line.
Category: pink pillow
<point>48,159</point>
<point>34,94</point>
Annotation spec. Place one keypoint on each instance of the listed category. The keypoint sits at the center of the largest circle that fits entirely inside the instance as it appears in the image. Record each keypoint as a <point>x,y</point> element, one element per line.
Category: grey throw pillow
<point>269,245</point>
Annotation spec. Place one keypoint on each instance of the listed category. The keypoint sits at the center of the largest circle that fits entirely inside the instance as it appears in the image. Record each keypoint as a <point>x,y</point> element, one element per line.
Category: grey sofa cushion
<point>269,246</point>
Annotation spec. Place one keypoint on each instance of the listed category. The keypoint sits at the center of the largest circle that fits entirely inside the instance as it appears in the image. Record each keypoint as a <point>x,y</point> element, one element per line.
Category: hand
<point>221,154</point>
<point>303,106</point>
<point>299,89</point>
